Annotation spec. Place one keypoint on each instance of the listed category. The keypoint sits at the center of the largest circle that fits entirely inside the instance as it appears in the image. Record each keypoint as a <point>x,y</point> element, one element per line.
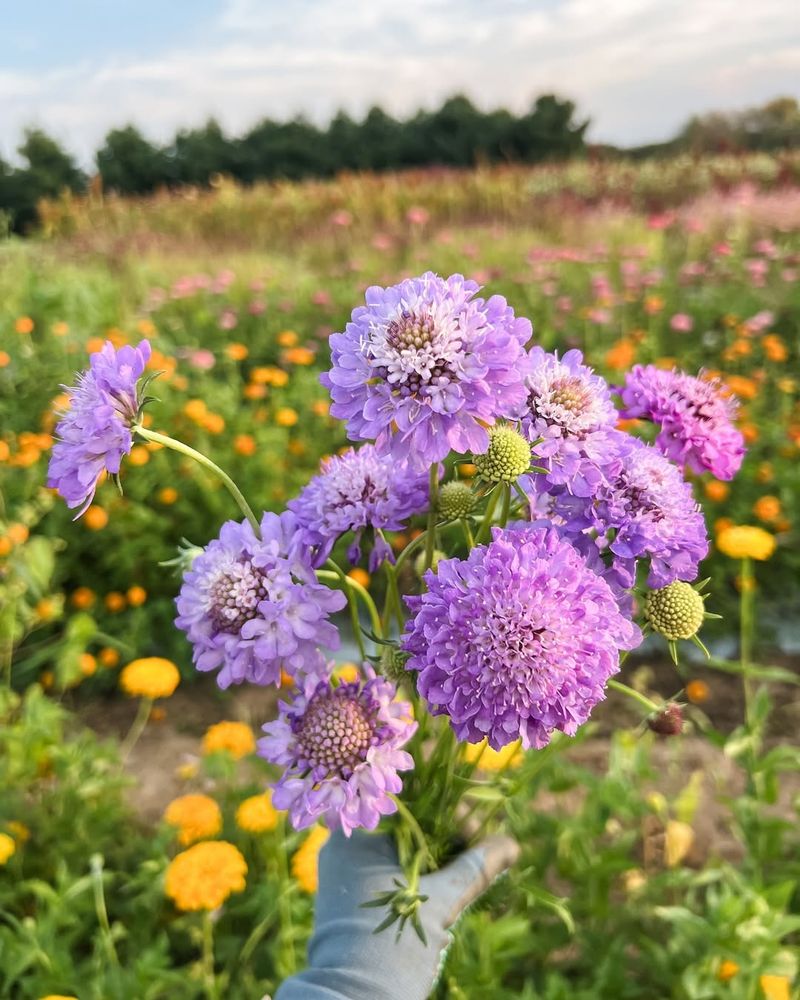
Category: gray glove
<point>346,960</point>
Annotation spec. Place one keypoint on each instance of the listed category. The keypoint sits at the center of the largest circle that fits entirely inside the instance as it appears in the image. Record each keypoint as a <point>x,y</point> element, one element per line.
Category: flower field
<point>658,839</point>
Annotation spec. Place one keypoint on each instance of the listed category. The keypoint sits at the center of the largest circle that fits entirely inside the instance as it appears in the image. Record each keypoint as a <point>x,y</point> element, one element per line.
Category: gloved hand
<point>346,960</point>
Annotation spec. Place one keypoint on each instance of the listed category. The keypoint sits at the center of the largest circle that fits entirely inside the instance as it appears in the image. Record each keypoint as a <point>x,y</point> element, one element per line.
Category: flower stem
<point>284,906</point>
<point>506,504</point>
<point>201,459</point>
<point>208,956</point>
<point>96,869</point>
<point>630,692</point>
<point>746,623</point>
<point>137,728</point>
<point>467,533</point>
<point>411,547</point>
<point>337,572</point>
<point>486,523</point>
<point>433,494</point>
<point>415,829</point>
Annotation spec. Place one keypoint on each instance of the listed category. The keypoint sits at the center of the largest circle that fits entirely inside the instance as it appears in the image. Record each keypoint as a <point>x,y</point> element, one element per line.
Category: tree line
<point>456,135</point>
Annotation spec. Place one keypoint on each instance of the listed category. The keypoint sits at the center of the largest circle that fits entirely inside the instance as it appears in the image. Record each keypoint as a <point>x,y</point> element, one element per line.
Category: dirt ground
<point>175,740</point>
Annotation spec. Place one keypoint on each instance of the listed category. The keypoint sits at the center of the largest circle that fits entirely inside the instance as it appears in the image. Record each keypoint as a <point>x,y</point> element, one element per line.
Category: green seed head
<point>507,458</point>
<point>676,611</point>
<point>393,663</point>
<point>455,500</point>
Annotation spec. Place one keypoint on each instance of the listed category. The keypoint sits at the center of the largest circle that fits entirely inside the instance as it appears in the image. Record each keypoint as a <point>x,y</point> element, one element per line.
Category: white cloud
<point>637,67</point>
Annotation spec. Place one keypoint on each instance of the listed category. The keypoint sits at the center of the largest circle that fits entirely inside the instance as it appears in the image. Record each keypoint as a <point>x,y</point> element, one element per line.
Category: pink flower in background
<point>549,289</point>
<point>789,274</point>
<point>257,307</point>
<point>723,249</point>
<point>661,220</point>
<point>228,320</point>
<point>382,242</point>
<point>417,215</point>
<point>342,218</point>
<point>681,323</point>
<point>156,298</point>
<point>766,248</point>
<point>761,321</point>
<point>257,285</point>
<point>564,304</point>
<point>222,282</point>
<point>602,317</point>
<point>757,271</point>
<point>321,298</point>
<point>201,359</point>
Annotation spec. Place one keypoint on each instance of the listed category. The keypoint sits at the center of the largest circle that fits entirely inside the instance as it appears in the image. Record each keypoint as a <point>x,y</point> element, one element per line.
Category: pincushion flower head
<point>566,417</point>
<point>426,365</point>
<point>252,606</point>
<point>695,416</point>
<point>650,511</point>
<point>517,640</point>
<point>95,432</point>
<point>340,746</point>
<point>358,490</point>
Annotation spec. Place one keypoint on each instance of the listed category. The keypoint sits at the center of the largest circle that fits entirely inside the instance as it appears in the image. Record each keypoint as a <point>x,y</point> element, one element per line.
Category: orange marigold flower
<point>698,692</point>
<point>5,359</point>
<point>168,495</point>
<point>195,817</point>
<point>727,970</point>
<point>287,338</point>
<point>136,596</point>
<point>213,423</point>
<point>150,677</point>
<point>195,409</point>
<point>95,518</point>
<point>139,455</point>
<point>8,847</point>
<point>244,444</point>
<point>299,356</point>
<point>108,657</point>
<point>82,598</point>
<point>24,324</point>
<point>235,738</point>
<point>87,664</point>
<point>621,355</point>
<point>716,490</point>
<point>774,348</point>
<point>203,877</point>
<point>360,576</point>
<point>775,987</point>
<point>18,533</point>
<point>60,329</point>
<point>320,408</point>
<point>257,814</point>
<point>767,508</point>
<point>236,352</point>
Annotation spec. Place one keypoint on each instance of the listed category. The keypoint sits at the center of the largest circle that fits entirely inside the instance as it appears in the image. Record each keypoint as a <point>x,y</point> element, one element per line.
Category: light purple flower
<point>695,417</point>
<point>650,511</point>
<point>425,366</point>
<point>95,432</point>
<point>360,489</point>
<point>517,640</point>
<point>567,418</point>
<point>341,748</point>
<point>251,607</point>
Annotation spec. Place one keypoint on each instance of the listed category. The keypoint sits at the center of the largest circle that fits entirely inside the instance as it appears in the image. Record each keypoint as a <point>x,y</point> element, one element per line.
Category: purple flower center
<point>410,331</point>
<point>336,730</point>
<point>410,353</point>
<point>235,594</point>
<point>566,397</point>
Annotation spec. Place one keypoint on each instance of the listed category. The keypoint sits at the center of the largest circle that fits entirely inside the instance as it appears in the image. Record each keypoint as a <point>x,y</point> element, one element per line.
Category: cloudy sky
<point>638,68</point>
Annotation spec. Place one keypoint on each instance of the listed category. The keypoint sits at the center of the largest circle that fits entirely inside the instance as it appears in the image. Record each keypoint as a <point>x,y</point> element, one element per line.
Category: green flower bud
<point>507,458</point>
<point>455,500</point>
<point>676,611</point>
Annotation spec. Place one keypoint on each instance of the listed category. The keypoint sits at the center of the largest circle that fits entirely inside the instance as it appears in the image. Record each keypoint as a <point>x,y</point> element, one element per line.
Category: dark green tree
<point>129,164</point>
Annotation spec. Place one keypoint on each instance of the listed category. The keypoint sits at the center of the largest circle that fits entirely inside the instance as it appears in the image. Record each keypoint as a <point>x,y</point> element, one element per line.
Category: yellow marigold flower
<point>287,338</point>
<point>203,877</point>
<point>24,325</point>
<point>306,857</point>
<point>489,759</point>
<point>286,417</point>
<point>279,377</point>
<point>727,970</point>
<point>774,347</point>
<point>742,541</point>
<point>236,352</point>
<point>18,831</point>
<point>5,451</point>
<point>114,601</point>
<point>254,391</point>
<point>8,846</point>
<point>257,814</point>
<point>767,508</point>
<point>299,356</point>
<point>95,518</point>
<point>195,409</point>
<point>195,816</point>
<point>168,495</point>
<point>236,738</point>
<point>187,770</point>
<point>146,327</point>
<point>678,842</point>
<point>787,385</point>
<point>348,672</point>
<point>58,996</point>
<point>261,375</point>
<point>320,408</point>
<point>150,677</point>
<point>775,987</point>
<point>213,423</point>
<point>136,596</point>
<point>18,533</point>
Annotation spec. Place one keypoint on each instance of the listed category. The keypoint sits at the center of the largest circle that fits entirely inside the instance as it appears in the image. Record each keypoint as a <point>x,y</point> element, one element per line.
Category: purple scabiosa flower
<point>95,432</point>
<point>567,418</point>
<point>360,489</point>
<point>695,417</point>
<point>341,747</point>
<point>651,510</point>
<point>425,366</point>
<point>517,640</point>
<point>252,606</point>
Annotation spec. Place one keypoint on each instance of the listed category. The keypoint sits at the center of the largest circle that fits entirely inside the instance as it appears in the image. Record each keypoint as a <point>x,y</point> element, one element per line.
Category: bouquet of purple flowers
<point>545,532</point>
